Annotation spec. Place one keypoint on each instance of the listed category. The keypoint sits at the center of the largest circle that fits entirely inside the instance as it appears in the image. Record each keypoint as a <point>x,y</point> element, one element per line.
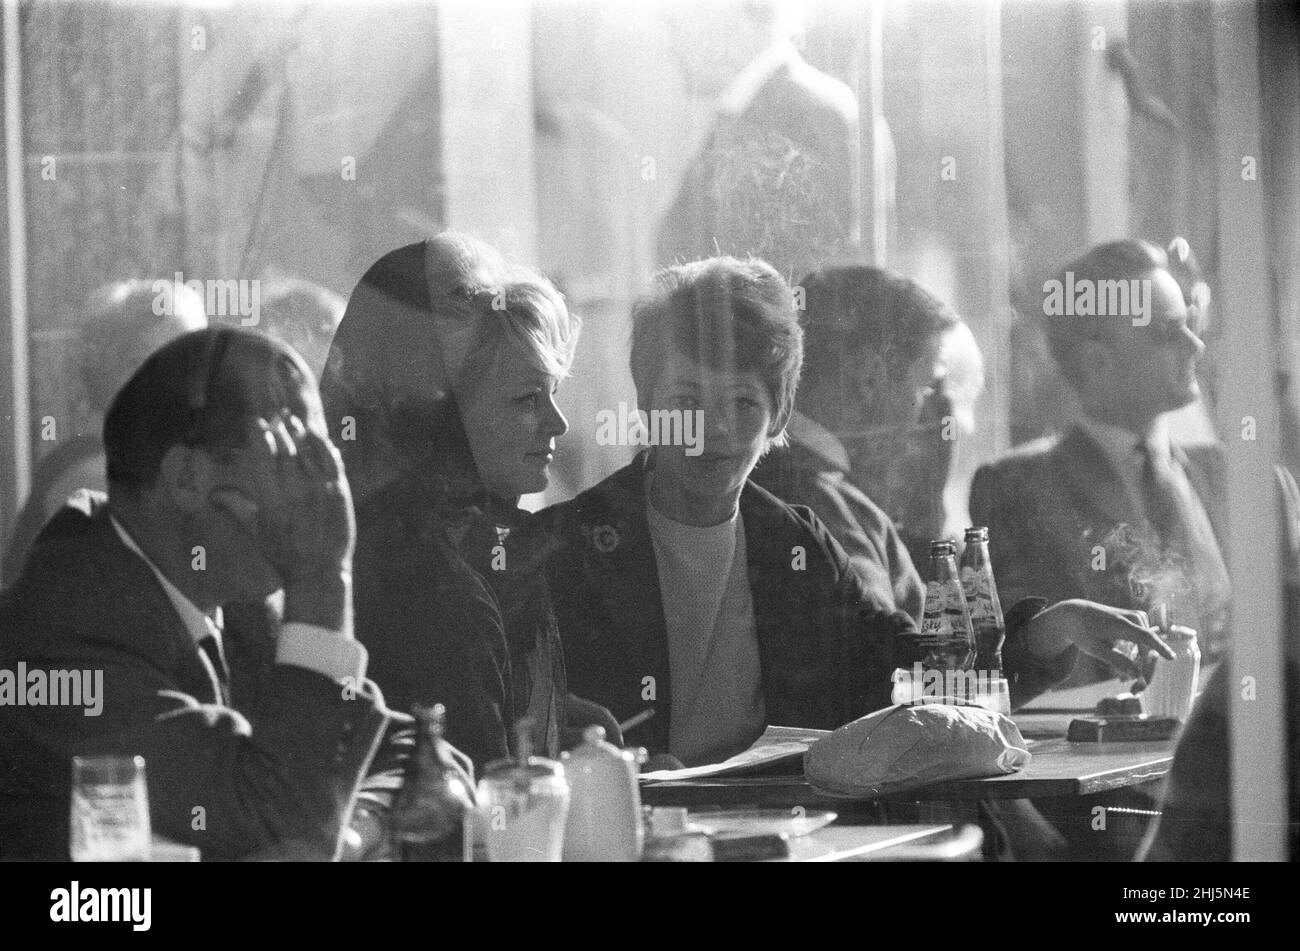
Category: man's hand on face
<point>917,461</point>
<point>928,465</point>
<point>296,504</point>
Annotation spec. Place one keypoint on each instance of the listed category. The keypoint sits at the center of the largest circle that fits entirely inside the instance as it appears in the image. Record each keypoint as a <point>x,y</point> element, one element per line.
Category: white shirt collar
<point>1120,444</point>
<point>1120,448</point>
<point>198,624</point>
<point>742,89</point>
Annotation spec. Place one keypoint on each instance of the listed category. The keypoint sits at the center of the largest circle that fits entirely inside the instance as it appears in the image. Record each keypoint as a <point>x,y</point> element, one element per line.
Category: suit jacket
<point>53,467</point>
<point>1051,503</point>
<point>778,181</point>
<point>807,473</point>
<point>282,767</point>
<point>804,473</point>
<point>826,646</point>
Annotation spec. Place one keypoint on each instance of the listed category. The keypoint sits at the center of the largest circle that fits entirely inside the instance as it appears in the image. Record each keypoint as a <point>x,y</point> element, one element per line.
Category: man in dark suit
<point>866,451</point>
<point>1114,510</point>
<point>223,488</point>
<point>777,176</point>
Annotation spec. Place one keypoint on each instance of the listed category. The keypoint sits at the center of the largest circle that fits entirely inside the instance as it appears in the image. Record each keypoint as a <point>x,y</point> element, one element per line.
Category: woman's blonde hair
<point>425,324</point>
<point>479,303</point>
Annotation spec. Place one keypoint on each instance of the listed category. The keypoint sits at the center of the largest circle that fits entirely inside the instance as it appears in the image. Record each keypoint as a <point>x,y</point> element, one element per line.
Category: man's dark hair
<point>201,389</point>
<point>724,314</point>
<point>1127,259</point>
<point>853,309</point>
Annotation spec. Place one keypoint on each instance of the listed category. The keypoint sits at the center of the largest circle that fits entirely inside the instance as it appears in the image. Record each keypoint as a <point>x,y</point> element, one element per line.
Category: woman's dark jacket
<point>450,615</point>
<point>826,646</point>
<point>826,650</point>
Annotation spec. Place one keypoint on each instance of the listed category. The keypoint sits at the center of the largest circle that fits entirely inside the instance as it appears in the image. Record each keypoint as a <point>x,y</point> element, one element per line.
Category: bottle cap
<point>942,546</point>
<point>977,533</point>
<point>434,716</point>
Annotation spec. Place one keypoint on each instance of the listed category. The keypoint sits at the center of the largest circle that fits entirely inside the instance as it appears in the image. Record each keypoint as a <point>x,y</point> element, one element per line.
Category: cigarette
<point>635,721</point>
<point>1162,617</point>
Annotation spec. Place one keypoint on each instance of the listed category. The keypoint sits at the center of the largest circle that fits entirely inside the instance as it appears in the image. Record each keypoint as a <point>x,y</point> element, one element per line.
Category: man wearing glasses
<point>1114,510</point>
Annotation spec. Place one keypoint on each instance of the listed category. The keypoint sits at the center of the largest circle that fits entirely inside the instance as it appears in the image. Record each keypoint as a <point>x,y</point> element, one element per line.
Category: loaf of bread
<point>907,746</point>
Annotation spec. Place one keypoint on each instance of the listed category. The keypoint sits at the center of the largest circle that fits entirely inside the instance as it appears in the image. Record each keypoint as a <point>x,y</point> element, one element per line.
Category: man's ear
<point>184,477</point>
<point>1093,362</point>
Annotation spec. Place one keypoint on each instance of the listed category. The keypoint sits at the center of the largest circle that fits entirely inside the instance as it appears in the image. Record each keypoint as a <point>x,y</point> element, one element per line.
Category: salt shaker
<point>1172,690</point>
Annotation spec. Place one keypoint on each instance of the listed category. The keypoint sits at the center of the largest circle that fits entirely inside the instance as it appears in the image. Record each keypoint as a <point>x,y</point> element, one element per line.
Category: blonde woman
<point>441,393</point>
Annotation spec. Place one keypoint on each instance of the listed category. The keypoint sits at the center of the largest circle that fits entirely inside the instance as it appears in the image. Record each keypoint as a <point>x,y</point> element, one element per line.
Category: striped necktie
<point>1185,533</point>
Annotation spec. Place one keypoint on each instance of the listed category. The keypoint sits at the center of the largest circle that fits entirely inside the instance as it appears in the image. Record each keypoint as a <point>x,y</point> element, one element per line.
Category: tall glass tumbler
<point>110,810</point>
<point>522,809</point>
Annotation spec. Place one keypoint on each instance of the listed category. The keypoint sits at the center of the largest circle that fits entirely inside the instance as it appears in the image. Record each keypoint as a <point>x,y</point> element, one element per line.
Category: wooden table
<point>1058,769</point>
<point>849,843</point>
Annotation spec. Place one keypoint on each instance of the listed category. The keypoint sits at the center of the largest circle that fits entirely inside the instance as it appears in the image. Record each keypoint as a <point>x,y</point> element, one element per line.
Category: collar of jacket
<point>757,73</point>
<point>815,438</point>
<point>792,609</point>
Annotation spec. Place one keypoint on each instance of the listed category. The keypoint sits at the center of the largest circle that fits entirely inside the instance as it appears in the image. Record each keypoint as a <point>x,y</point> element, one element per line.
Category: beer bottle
<point>982,598</point>
<point>946,636</point>
<point>435,803</point>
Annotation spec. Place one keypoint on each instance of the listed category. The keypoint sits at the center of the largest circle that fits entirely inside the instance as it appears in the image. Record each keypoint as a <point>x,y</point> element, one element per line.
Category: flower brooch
<point>604,538</point>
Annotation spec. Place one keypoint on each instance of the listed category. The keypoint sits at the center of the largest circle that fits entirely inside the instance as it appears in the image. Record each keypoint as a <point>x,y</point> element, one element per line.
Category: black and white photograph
<point>652,431</point>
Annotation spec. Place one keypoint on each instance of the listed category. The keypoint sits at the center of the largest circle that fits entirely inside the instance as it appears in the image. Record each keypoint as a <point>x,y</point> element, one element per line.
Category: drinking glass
<point>110,810</point>
<point>522,808</point>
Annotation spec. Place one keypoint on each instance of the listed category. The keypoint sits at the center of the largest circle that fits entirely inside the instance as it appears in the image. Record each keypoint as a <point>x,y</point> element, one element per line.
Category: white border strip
<point>14,165</point>
<point>1247,363</point>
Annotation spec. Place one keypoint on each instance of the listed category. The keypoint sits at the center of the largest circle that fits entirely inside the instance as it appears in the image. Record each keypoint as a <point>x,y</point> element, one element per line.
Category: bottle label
<point>936,624</point>
<point>975,584</point>
<point>945,634</point>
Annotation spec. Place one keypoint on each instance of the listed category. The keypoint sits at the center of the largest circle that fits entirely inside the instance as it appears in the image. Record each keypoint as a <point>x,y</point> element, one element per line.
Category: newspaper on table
<point>779,746</point>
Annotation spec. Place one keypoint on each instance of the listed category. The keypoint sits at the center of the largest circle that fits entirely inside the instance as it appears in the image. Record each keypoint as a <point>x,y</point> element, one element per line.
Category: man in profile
<point>222,488</point>
<point>888,370</point>
<point>865,451</point>
<point>1113,510</point>
<point>777,176</point>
